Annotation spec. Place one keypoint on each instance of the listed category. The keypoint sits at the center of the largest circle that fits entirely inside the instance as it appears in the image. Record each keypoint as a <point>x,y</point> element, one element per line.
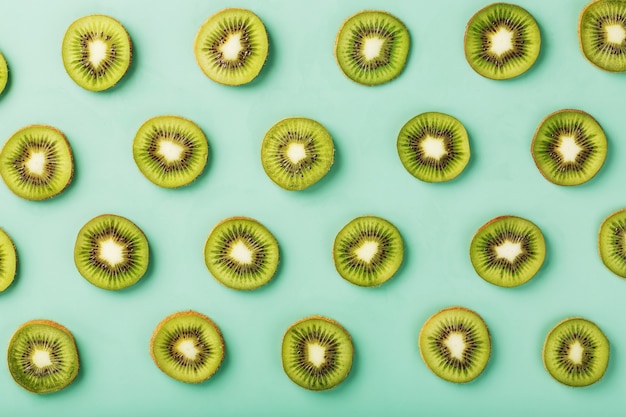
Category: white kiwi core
<point>575,353</point>
<point>170,150</point>
<point>187,348</point>
<point>568,149</point>
<point>241,253</point>
<point>455,342</point>
<point>372,47</point>
<point>41,358</point>
<point>315,354</point>
<point>36,163</point>
<point>433,147</point>
<point>296,152</point>
<point>97,51</point>
<point>367,251</point>
<point>615,34</point>
<point>111,252</point>
<point>501,42</point>
<point>232,47</point>
<point>509,250</point>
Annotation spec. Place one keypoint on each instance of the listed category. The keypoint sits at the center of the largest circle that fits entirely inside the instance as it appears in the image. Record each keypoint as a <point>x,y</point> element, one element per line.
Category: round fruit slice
<point>42,356</point>
<point>36,163</point>
<point>612,242</point>
<point>502,41</point>
<point>602,34</point>
<point>297,152</point>
<point>508,251</point>
<point>8,261</point>
<point>96,52</point>
<point>317,353</point>
<point>4,73</point>
<point>231,46</point>
<point>241,253</point>
<point>569,147</point>
<point>455,344</point>
<point>576,352</point>
<point>170,151</point>
<point>371,47</point>
<point>188,347</point>
<point>368,251</point>
<point>434,147</point>
<point>111,252</point>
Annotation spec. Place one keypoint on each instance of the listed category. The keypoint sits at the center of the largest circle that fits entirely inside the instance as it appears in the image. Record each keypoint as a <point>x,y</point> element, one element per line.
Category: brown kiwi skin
<point>326,319</point>
<point>580,42</point>
<point>186,314</point>
<point>461,309</point>
<point>599,233</point>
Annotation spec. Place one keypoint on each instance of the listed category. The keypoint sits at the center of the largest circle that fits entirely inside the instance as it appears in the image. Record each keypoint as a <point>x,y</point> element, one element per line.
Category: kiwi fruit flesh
<point>576,352</point>
<point>372,47</point>
<point>612,242</point>
<point>297,152</point>
<point>241,253</point>
<point>434,147</point>
<point>231,46</point>
<point>502,41</point>
<point>36,162</point>
<point>8,261</point>
<point>4,73</point>
<point>508,251</point>
<point>111,252</point>
<point>97,52</point>
<point>170,151</point>
<point>368,251</point>
<point>569,147</point>
<point>42,356</point>
<point>455,344</point>
<point>187,346</point>
<point>317,353</point>
<point>602,34</point>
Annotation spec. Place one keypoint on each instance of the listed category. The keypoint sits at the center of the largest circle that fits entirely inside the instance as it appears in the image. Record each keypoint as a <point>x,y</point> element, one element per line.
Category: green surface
<point>437,221</point>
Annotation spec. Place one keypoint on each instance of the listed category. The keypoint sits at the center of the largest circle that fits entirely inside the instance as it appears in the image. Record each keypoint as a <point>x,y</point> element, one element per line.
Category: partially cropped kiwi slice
<point>8,261</point>
<point>502,41</point>
<point>241,253</point>
<point>170,151</point>
<point>96,52</point>
<point>4,73</point>
<point>187,346</point>
<point>612,242</point>
<point>36,163</point>
<point>297,152</point>
<point>42,356</point>
<point>576,352</point>
<point>602,34</point>
<point>317,353</point>
<point>231,46</point>
<point>111,252</point>
<point>569,147</point>
<point>508,251</point>
<point>368,251</point>
<point>371,47</point>
<point>434,147</point>
<point>455,344</point>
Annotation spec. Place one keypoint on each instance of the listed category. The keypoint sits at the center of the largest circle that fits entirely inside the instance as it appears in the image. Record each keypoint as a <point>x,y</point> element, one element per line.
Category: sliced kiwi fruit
<point>241,253</point>
<point>317,353</point>
<point>502,41</point>
<point>297,152</point>
<point>508,251</point>
<point>42,356</point>
<point>612,242</point>
<point>455,344</point>
<point>372,47</point>
<point>602,34</point>
<point>576,352</point>
<point>4,73</point>
<point>36,162</point>
<point>170,151</point>
<point>231,46</point>
<point>187,346</point>
<point>569,147</point>
<point>111,252</point>
<point>368,251</point>
<point>8,261</point>
<point>97,52</point>
<point>434,147</point>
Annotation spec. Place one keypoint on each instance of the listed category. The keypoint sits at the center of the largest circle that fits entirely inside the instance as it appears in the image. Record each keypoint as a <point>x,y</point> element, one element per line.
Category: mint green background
<point>437,221</point>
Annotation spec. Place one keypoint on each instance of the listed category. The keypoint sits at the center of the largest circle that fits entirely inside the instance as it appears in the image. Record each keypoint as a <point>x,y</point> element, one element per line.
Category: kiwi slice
<point>187,346</point>
<point>434,147</point>
<point>569,147</point>
<point>372,47</point>
<point>36,163</point>
<point>42,356</point>
<point>455,344</point>
<point>8,261</point>
<point>170,151</point>
<point>231,46</point>
<point>612,242</point>
<point>602,34</point>
<point>96,52</point>
<point>317,353</point>
<point>576,352</point>
<point>508,251</point>
<point>4,73</point>
<point>502,41</point>
<point>368,251</point>
<point>111,252</point>
<point>297,152</point>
